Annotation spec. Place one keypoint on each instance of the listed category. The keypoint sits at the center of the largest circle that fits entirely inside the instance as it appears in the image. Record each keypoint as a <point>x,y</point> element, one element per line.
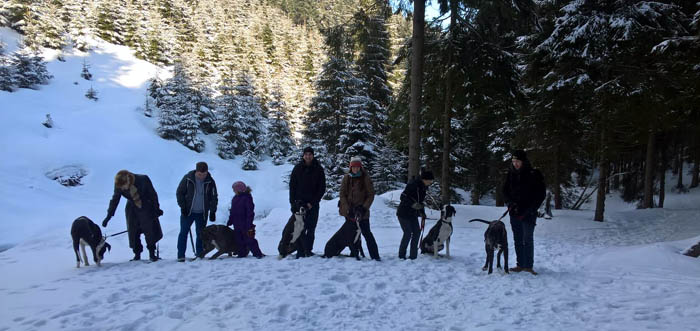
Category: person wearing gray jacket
<point>197,198</point>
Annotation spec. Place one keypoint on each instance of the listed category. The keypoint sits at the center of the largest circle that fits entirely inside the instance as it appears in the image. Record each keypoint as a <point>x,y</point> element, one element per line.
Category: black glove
<point>212,217</point>
<point>160,212</point>
<point>106,220</point>
<point>183,211</point>
<point>513,207</point>
<point>361,211</point>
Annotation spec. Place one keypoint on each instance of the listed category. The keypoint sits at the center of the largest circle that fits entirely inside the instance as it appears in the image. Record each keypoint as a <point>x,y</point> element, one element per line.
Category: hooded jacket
<point>356,191</point>
<point>307,183</point>
<point>185,194</point>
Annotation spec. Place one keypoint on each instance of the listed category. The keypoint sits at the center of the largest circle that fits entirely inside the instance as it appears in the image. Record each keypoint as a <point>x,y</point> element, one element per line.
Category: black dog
<point>220,237</point>
<point>290,241</point>
<point>439,235</point>
<point>86,233</point>
<point>347,236</point>
<point>495,237</point>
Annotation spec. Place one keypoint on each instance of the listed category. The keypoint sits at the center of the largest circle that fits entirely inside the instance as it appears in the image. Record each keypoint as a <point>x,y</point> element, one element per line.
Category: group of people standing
<point>197,198</point>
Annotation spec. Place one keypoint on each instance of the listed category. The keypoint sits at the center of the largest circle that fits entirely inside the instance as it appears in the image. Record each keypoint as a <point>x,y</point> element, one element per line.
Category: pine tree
<point>29,69</point>
<point>48,122</point>
<point>279,140</point>
<point>85,73</point>
<point>6,71</point>
<point>178,117</point>
<point>250,161</point>
<point>91,94</point>
<point>228,120</point>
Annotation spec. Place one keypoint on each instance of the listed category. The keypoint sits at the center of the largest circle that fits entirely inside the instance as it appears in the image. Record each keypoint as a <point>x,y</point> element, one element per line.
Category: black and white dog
<point>495,237</point>
<point>292,231</point>
<point>219,237</point>
<point>347,236</point>
<point>439,235</point>
<point>86,233</point>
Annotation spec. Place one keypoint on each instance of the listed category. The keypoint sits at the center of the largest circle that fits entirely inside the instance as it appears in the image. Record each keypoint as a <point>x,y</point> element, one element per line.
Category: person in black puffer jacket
<point>410,207</point>
<point>307,185</point>
<point>524,191</point>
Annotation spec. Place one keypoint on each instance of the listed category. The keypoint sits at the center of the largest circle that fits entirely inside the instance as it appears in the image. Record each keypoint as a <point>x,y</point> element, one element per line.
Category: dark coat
<point>356,191</point>
<point>414,192</point>
<point>144,218</point>
<point>185,194</point>
<point>524,190</point>
<point>307,183</point>
<point>242,212</point>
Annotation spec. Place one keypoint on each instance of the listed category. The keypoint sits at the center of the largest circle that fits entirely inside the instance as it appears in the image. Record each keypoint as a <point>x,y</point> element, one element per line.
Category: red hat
<point>355,162</point>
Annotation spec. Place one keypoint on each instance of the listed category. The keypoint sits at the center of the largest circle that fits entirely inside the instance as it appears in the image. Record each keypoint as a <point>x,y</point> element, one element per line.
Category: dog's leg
<point>487,258</point>
<point>436,245</point>
<point>77,257</point>
<point>505,258</point>
<point>216,255</point>
<point>82,250</point>
<point>447,247</point>
<point>498,258</point>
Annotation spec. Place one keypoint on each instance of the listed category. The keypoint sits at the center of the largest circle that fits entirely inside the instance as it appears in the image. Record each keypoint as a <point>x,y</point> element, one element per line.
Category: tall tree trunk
<point>500,200</point>
<point>679,185</point>
<point>416,87</point>
<point>602,179</point>
<point>616,179</point>
<point>447,112</point>
<point>662,173</point>
<point>556,185</point>
<point>696,170</point>
<point>648,201</point>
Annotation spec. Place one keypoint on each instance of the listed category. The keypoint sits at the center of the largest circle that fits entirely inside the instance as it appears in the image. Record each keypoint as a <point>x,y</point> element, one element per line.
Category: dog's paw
<point>484,269</point>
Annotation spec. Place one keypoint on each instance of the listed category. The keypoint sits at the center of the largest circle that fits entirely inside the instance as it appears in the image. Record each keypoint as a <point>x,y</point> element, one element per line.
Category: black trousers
<point>411,232</point>
<point>369,238</point>
<point>309,232</point>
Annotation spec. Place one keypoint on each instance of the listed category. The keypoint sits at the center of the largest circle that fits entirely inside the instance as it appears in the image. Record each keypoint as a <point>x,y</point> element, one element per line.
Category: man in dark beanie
<point>524,191</point>
<point>307,185</point>
<point>410,207</point>
<point>197,197</point>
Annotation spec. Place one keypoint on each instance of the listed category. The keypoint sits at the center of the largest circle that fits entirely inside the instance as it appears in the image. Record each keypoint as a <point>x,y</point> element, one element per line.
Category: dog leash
<point>116,234</point>
<point>504,214</point>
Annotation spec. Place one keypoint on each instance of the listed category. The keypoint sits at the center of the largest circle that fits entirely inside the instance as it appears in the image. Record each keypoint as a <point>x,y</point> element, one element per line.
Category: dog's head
<point>300,207</point>
<point>102,247</point>
<point>447,213</point>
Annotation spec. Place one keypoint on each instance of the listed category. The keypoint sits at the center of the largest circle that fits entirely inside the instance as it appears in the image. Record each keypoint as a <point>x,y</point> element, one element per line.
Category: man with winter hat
<point>356,196</point>
<point>197,197</point>
<point>410,207</point>
<point>307,185</point>
<point>524,191</point>
<point>142,211</point>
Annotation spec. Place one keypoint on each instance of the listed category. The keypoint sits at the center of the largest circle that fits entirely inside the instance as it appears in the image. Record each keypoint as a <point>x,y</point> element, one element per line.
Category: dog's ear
<point>109,247</point>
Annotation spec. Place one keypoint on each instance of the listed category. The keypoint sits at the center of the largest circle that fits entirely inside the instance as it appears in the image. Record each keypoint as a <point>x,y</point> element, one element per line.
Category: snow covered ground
<point>624,274</point>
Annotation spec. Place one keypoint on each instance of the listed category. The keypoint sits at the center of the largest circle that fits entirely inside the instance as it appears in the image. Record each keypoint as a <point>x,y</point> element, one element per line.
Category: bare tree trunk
<point>696,170</point>
<point>447,112</point>
<point>416,87</point>
<point>616,179</point>
<point>500,200</point>
<point>602,179</point>
<point>662,173</point>
<point>556,185</point>
<point>648,201</point>
<point>679,185</point>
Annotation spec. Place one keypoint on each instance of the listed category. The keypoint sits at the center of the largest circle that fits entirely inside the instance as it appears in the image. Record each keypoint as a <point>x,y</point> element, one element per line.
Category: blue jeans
<point>185,225</point>
<point>523,239</point>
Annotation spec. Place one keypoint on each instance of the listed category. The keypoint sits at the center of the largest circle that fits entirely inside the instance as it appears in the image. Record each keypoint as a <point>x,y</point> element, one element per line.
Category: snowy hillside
<point>624,274</point>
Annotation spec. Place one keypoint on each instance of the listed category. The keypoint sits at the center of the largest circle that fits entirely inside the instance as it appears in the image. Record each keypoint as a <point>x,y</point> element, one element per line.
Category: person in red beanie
<point>241,217</point>
<point>356,196</point>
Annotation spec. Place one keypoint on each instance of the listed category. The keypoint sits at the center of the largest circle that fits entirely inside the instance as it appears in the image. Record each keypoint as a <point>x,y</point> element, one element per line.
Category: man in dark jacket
<point>142,211</point>
<point>197,198</point>
<point>524,191</point>
<point>307,185</point>
<point>410,207</point>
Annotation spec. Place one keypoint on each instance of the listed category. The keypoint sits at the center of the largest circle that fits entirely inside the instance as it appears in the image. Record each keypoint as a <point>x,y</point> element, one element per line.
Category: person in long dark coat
<point>357,192</point>
<point>142,211</point>
<point>523,190</point>
<point>307,185</point>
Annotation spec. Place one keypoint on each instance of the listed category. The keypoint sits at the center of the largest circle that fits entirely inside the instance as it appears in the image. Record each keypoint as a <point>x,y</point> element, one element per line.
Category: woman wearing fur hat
<point>356,196</point>
<point>410,207</point>
<point>241,217</point>
<point>142,211</point>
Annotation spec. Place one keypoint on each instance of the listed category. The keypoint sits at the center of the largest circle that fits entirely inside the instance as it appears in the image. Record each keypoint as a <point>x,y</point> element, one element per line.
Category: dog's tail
<point>479,220</point>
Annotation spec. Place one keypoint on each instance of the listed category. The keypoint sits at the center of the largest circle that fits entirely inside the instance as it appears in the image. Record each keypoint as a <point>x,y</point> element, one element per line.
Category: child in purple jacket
<point>241,217</point>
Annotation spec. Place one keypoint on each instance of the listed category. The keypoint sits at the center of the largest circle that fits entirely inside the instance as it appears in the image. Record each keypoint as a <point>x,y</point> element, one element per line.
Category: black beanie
<point>427,175</point>
<point>308,149</point>
<point>520,155</point>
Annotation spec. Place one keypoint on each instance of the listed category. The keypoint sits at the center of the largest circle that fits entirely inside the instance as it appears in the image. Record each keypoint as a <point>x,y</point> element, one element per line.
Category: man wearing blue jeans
<point>524,191</point>
<point>197,198</point>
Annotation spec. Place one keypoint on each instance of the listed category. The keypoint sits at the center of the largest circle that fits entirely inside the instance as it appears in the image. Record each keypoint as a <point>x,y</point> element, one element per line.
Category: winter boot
<point>517,269</point>
<point>152,255</point>
<point>137,256</point>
